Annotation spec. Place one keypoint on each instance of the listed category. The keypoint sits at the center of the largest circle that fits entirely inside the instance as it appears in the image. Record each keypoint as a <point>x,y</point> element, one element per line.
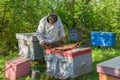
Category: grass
<point>98,55</point>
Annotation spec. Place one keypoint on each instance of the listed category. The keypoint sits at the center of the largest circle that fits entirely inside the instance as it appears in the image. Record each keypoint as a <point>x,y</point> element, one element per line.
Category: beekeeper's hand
<point>64,39</point>
<point>43,43</point>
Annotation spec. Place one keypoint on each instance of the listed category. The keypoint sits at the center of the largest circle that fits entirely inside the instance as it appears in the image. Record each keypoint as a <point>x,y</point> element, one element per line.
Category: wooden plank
<point>107,77</point>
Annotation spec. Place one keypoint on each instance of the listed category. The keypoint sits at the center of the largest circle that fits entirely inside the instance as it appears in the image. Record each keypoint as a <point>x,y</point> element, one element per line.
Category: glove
<point>64,39</point>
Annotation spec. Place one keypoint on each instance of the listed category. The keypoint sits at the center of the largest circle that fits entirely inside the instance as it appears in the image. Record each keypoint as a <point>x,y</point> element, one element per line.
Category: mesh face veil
<point>52,18</point>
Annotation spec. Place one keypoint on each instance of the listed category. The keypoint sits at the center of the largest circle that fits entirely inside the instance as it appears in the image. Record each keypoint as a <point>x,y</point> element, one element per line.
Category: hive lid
<point>18,60</point>
<point>100,33</point>
<point>27,36</point>
<point>110,67</point>
<point>70,53</point>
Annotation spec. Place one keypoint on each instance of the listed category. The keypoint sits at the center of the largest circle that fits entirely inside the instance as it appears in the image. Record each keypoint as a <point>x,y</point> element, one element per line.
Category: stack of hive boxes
<point>61,64</point>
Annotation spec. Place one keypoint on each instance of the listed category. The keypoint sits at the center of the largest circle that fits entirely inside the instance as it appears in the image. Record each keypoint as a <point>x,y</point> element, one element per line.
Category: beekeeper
<point>50,29</point>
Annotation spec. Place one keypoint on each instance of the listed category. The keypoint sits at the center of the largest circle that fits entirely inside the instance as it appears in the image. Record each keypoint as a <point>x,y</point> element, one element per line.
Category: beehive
<point>29,46</point>
<point>17,67</point>
<point>103,38</point>
<point>109,69</point>
<point>71,63</point>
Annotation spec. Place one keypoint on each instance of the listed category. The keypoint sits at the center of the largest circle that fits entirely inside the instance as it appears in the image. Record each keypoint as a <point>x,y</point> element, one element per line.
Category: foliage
<point>22,16</point>
<point>105,15</point>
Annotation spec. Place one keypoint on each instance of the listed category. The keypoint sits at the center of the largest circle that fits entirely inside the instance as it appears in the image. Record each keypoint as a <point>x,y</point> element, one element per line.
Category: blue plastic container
<point>103,39</point>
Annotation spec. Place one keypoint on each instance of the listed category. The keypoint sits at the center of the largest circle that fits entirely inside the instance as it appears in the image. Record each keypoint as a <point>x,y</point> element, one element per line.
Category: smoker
<point>29,46</point>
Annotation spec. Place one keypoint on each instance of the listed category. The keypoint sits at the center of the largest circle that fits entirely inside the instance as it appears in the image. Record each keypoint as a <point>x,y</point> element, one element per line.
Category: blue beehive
<point>74,34</point>
<point>103,38</point>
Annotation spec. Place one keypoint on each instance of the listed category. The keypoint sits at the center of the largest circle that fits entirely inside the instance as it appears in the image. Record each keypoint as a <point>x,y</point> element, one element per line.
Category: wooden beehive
<point>70,63</point>
<point>110,68</point>
<point>29,46</point>
<point>17,67</point>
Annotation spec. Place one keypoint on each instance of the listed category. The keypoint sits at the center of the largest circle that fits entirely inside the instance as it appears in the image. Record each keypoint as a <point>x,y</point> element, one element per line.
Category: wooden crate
<point>110,68</point>
<point>17,67</point>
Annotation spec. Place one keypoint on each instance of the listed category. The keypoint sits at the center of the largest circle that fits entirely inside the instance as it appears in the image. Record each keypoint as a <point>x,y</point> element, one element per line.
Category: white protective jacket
<point>48,33</point>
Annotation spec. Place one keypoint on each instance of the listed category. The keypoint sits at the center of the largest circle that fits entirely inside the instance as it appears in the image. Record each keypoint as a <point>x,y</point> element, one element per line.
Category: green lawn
<point>98,55</point>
